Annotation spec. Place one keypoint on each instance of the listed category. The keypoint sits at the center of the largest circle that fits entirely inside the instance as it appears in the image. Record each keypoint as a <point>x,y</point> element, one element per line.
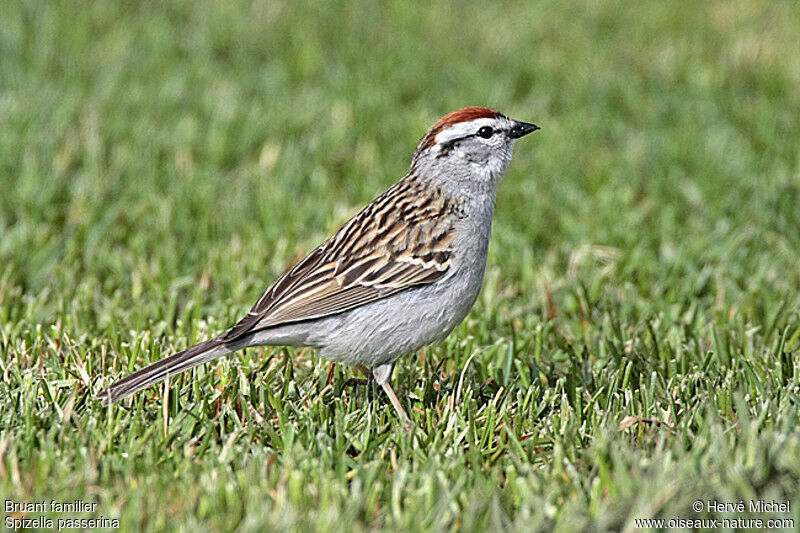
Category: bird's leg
<point>364,370</point>
<point>382,373</point>
<point>387,388</point>
<point>357,381</point>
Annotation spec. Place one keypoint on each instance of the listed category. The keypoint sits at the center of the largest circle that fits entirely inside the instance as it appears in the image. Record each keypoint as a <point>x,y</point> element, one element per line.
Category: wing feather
<point>400,241</point>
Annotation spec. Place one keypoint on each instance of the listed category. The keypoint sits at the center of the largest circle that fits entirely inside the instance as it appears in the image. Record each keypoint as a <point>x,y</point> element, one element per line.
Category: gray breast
<point>382,331</point>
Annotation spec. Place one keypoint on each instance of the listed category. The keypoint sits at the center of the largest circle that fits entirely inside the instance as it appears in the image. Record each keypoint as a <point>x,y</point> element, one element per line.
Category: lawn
<point>636,345</point>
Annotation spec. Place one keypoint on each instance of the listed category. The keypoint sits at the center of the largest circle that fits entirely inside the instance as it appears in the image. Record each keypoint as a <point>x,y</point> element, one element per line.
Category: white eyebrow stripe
<point>462,129</point>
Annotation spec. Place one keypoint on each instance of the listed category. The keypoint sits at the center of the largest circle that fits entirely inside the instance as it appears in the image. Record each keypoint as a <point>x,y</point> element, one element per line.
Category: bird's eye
<point>485,132</point>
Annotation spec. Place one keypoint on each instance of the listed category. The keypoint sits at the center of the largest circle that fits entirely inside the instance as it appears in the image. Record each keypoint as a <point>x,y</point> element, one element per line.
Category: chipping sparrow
<point>400,275</point>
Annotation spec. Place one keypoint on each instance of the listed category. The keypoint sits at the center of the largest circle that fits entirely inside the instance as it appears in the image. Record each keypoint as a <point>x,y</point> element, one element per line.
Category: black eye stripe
<point>445,147</point>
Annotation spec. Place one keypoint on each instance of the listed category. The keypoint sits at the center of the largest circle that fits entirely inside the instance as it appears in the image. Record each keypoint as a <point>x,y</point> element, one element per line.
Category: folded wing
<point>400,241</point>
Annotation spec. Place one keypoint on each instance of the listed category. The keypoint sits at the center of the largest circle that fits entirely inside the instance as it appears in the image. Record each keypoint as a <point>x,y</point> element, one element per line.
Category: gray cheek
<point>478,154</point>
<point>467,155</point>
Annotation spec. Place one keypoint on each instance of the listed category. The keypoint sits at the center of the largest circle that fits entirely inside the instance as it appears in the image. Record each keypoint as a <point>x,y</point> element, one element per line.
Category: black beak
<point>520,129</point>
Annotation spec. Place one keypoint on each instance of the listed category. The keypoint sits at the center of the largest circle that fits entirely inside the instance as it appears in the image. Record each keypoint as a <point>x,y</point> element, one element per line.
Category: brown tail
<point>169,366</point>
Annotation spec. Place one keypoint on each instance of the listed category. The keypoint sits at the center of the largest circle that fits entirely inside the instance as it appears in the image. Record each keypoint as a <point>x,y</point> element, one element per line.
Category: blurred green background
<point>162,162</point>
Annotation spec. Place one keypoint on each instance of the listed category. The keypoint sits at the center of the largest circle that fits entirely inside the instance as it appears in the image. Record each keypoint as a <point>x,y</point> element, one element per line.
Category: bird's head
<point>477,138</point>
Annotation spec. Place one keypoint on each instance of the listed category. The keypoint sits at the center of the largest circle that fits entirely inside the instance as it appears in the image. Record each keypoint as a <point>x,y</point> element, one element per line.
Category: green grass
<point>162,163</point>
